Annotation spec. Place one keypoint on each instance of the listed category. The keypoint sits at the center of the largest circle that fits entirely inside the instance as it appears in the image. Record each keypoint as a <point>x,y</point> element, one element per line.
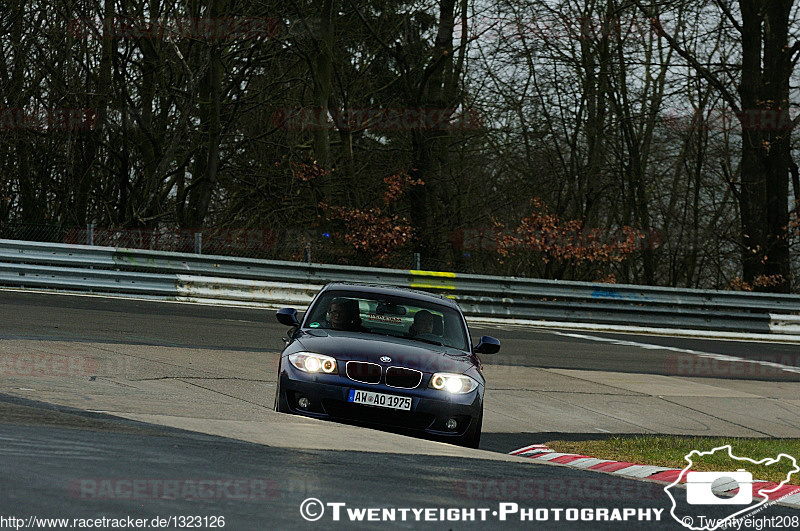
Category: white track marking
<point>524,324</point>
<point>709,355</point>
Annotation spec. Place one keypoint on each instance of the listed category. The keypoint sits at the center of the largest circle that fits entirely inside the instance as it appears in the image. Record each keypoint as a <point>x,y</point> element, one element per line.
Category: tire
<point>281,406</point>
<point>472,439</point>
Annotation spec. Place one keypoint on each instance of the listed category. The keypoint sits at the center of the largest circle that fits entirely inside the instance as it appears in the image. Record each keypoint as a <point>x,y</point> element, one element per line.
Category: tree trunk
<point>322,73</point>
<point>204,177</point>
<point>765,141</point>
<point>430,147</point>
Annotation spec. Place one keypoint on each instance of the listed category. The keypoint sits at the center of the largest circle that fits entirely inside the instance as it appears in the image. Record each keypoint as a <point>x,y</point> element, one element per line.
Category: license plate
<point>380,400</point>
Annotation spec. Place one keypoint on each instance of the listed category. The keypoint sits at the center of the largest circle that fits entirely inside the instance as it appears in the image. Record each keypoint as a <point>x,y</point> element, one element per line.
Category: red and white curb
<point>787,495</point>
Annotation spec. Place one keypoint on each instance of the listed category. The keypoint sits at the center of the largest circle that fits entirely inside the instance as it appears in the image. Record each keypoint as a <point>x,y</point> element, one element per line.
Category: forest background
<point>601,140</point>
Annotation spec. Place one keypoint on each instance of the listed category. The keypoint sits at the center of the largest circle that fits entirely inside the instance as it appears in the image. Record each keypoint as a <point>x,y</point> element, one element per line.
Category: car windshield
<point>403,317</point>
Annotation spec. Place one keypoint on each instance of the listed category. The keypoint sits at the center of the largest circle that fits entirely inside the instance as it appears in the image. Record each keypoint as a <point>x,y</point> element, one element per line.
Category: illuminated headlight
<point>310,362</point>
<point>453,383</point>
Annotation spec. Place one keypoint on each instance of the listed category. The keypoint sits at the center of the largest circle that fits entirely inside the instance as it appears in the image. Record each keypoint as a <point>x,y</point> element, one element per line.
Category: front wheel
<point>281,405</point>
<point>472,438</point>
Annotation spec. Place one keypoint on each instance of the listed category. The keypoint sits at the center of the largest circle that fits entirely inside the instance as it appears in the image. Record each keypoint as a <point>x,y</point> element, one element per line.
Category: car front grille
<point>403,378</point>
<point>364,372</point>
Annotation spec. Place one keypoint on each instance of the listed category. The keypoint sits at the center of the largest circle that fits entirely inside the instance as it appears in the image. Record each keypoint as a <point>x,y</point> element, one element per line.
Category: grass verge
<point>670,451</point>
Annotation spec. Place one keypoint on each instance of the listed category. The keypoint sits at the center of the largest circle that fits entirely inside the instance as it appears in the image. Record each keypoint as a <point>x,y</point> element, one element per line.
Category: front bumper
<point>430,409</point>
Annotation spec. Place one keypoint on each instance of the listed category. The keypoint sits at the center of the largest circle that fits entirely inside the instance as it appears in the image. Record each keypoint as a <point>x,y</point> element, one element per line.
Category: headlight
<point>310,362</point>
<point>452,383</point>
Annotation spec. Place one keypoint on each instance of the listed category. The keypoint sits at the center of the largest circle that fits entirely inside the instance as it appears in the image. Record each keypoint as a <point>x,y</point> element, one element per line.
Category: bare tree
<point>762,108</point>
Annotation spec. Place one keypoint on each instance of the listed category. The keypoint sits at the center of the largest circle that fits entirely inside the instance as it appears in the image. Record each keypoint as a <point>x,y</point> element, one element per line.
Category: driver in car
<point>342,316</point>
<point>423,323</point>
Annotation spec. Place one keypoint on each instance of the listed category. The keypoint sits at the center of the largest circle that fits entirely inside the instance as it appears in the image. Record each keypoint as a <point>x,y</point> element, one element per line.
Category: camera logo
<point>734,489</point>
<point>701,487</point>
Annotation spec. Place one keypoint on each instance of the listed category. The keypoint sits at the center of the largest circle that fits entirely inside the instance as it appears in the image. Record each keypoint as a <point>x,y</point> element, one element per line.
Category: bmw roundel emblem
<point>386,359</point>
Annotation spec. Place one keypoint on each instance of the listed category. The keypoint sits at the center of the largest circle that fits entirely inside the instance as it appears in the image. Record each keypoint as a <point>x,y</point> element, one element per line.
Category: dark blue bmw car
<point>385,357</point>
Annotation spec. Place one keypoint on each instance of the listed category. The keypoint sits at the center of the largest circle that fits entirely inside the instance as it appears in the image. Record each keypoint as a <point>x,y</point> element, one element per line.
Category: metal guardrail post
<point>198,243</point>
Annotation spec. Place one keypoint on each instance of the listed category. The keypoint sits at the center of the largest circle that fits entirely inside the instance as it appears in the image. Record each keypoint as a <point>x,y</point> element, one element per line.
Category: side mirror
<point>487,345</point>
<point>288,316</point>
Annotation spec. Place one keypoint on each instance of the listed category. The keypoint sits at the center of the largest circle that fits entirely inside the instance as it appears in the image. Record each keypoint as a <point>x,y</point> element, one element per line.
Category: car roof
<point>374,289</point>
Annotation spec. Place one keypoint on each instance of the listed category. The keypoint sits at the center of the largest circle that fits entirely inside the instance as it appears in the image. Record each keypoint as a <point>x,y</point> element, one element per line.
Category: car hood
<point>354,346</point>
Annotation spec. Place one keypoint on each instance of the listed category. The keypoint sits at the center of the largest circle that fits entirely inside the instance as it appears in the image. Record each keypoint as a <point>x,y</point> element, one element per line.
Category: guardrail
<point>192,277</point>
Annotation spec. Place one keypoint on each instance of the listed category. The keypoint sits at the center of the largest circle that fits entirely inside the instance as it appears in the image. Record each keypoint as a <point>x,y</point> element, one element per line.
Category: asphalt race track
<point>115,408</point>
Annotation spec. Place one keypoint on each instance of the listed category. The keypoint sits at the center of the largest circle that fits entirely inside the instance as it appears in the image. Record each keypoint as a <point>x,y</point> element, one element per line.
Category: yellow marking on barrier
<point>432,273</point>
<point>424,285</point>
